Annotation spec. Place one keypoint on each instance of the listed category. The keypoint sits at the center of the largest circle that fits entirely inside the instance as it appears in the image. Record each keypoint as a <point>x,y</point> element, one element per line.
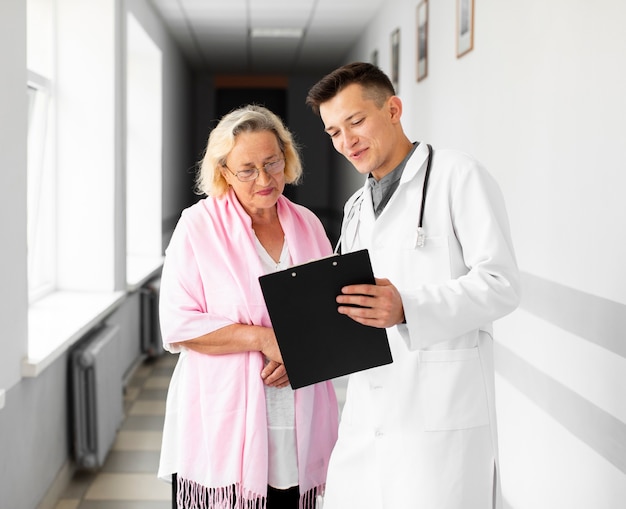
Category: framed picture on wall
<point>395,58</point>
<point>464,27</point>
<point>374,58</point>
<point>422,40</point>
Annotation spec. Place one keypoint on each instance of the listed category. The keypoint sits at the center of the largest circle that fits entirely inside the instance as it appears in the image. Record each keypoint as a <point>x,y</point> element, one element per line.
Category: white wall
<point>13,114</point>
<point>540,100</point>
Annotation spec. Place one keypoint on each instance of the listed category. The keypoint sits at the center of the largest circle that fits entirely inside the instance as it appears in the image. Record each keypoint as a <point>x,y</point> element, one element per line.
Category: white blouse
<point>283,459</point>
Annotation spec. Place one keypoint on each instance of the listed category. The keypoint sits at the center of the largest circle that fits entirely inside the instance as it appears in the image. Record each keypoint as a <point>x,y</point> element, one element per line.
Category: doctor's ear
<point>394,106</point>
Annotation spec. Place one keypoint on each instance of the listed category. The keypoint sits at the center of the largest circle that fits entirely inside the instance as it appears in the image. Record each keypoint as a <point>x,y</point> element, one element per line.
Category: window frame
<point>41,194</point>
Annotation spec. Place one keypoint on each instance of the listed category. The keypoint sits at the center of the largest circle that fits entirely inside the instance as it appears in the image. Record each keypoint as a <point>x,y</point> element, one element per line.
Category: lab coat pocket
<point>452,389</point>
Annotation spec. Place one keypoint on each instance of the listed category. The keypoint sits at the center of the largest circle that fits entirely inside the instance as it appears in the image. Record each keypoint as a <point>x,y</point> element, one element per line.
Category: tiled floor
<point>128,479</point>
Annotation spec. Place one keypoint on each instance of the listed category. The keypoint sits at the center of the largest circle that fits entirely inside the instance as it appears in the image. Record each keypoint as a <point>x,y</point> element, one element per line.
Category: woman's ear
<point>225,175</point>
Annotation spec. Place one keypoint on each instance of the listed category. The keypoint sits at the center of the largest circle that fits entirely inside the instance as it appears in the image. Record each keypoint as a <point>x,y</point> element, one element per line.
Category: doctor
<point>420,432</point>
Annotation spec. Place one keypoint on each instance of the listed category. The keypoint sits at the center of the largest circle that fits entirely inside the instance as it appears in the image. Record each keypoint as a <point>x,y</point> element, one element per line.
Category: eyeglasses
<point>248,175</point>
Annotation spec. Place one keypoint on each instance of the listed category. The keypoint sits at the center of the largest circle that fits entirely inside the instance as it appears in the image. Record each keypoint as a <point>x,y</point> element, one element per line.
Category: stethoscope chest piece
<point>421,237</point>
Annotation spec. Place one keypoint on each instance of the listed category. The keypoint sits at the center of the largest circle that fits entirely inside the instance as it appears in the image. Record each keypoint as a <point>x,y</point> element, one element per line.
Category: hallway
<point>104,118</point>
<point>128,478</point>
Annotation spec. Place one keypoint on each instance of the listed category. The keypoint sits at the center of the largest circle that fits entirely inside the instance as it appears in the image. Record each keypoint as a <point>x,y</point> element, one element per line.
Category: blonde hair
<point>250,118</point>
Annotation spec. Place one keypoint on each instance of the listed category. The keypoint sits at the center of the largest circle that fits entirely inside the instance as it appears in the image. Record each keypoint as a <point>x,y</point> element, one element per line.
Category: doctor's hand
<point>381,304</point>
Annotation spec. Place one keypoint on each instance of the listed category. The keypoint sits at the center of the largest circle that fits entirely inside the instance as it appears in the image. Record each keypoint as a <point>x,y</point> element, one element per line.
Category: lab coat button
<point>379,433</point>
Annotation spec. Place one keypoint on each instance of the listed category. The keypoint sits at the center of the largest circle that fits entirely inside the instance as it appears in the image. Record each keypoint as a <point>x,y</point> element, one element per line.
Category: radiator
<point>97,396</point>
<point>151,343</point>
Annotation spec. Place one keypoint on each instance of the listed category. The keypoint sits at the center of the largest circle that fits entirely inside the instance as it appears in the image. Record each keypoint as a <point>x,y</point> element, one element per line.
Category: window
<point>144,167</point>
<point>74,228</point>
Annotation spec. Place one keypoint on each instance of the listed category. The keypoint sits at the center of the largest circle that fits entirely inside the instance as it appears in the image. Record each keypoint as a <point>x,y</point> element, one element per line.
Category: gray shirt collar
<point>383,189</point>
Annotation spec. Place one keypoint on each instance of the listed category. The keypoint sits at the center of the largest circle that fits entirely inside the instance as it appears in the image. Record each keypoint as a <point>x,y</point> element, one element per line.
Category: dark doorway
<point>228,99</point>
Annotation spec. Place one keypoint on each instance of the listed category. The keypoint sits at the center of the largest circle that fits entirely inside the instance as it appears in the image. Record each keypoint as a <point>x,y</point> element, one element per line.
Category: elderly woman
<point>236,435</point>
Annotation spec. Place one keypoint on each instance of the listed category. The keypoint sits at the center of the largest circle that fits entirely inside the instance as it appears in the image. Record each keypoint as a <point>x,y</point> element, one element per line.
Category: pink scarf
<point>215,433</point>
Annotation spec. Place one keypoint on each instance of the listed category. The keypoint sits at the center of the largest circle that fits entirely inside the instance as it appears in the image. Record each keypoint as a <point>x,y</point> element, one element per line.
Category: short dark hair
<point>376,84</point>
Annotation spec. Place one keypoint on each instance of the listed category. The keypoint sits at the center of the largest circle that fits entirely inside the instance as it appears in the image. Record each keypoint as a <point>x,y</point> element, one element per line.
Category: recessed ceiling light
<point>294,33</point>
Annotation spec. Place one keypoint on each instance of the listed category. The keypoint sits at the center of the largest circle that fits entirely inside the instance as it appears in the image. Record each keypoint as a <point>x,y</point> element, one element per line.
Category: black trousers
<point>276,499</point>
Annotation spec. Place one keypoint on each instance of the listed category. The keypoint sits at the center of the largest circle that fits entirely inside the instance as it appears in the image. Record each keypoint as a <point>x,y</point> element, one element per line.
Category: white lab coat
<point>421,432</point>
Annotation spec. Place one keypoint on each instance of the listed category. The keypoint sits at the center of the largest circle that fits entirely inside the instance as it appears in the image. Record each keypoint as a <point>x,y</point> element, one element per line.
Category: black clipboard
<point>316,341</point>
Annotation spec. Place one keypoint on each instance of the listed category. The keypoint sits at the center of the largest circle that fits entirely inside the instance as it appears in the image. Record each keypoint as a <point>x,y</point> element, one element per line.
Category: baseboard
<point>58,486</point>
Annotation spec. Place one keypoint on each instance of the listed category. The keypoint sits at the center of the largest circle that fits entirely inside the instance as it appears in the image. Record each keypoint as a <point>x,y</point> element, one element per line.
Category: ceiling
<point>215,35</point>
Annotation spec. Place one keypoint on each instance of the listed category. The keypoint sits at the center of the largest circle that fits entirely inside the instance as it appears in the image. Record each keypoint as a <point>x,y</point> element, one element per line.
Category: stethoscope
<point>355,209</point>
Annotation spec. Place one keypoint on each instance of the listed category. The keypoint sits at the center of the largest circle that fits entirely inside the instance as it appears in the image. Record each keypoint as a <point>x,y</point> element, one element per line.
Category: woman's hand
<point>274,374</point>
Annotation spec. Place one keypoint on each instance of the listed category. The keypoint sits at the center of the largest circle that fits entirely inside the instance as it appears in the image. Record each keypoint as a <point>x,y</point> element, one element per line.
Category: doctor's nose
<point>349,139</point>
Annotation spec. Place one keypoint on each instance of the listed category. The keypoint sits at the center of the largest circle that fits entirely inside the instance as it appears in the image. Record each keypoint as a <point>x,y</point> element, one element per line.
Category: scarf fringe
<point>191,495</point>
<point>313,498</point>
